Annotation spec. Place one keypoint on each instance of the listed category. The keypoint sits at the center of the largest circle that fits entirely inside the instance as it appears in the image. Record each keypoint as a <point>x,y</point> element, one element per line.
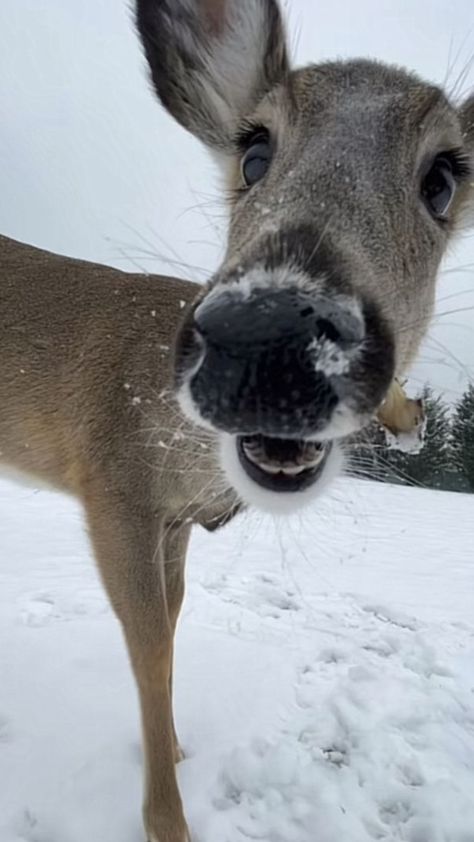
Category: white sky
<point>90,165</point>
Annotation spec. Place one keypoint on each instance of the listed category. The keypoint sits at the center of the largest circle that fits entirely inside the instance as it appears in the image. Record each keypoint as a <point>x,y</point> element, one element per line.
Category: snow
<point>329,358</point>
<point>324,676</point>
<point>411,442</point>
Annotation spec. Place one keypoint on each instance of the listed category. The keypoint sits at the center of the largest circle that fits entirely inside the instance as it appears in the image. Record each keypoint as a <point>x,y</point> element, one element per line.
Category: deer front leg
<point>128,544</point>
<point>175,547</point>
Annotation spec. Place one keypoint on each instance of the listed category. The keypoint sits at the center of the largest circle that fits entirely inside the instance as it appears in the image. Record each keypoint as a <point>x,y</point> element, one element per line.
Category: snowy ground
<point>325,676</point>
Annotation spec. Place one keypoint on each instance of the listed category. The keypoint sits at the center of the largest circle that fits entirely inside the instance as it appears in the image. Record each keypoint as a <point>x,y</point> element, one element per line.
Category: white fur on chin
<point>280,503</point>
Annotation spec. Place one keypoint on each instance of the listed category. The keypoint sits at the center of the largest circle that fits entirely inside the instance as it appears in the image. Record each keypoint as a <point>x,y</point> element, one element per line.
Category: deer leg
<point>128,544</point>
<point>175,547</point>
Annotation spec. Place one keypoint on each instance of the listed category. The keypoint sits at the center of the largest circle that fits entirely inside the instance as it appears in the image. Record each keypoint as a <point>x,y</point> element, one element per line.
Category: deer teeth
<point>292,471</point>
<point>312,451</point>
<point>268,467</point>
<point>274,468</point>
<point>256,456</point>
<point>311,456</point>
<point>315,458</point>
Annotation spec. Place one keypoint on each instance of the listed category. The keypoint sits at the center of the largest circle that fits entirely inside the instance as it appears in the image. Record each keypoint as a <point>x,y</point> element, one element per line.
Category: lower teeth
<point>297,469</point>
<point>257,457</point>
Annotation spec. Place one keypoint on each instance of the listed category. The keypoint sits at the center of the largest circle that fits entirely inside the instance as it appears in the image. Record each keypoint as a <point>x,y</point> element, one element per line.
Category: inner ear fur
<point>212,61</point>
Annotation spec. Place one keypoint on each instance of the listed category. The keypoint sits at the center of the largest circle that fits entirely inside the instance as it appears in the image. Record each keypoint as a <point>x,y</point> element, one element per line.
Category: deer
<point>159,403</point>
<point>399,413</point>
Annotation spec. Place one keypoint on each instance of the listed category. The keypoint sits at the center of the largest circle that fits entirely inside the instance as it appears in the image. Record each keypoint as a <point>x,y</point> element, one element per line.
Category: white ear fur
<point>466,114</point>
<point>211,62</point>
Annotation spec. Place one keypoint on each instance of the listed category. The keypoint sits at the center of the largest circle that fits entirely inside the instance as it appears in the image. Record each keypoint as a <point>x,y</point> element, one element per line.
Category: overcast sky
<point>90,166</point>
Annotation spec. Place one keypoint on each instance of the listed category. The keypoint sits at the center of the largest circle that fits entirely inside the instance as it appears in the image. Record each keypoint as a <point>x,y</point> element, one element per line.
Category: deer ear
<point>211,61</point>
<point>466,114</point>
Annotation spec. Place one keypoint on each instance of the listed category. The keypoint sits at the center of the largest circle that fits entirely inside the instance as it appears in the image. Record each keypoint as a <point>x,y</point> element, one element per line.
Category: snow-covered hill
<point>324,687</point>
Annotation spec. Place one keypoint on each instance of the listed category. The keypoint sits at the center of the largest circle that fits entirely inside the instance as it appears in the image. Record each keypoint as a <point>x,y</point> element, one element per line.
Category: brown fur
<point>85,406</point>
<point>86,369</point>
<point>399,413</point>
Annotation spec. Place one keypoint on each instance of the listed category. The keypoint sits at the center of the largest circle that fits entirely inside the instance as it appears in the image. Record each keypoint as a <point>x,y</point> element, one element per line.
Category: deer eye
<point>256,160</point>
<point>439,186</point>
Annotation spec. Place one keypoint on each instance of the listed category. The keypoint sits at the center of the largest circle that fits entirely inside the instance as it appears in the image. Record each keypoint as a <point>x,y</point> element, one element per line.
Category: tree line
<point>446,460</point>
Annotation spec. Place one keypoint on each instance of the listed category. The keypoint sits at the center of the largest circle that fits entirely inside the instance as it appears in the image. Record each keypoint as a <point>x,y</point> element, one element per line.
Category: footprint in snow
<point>391,616</point>
<point>37,610</point>
<point>29,830</point>
<point>263,594</point>
<point>267,591</point>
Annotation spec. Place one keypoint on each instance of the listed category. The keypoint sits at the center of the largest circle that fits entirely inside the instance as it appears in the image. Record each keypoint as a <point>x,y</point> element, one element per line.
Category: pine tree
<point>432,464</point>
<point>431,467</point>
<point>463,437</point>
<point>367,454</point>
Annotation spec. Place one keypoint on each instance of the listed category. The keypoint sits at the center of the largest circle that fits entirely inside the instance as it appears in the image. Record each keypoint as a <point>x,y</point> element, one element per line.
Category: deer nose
<point>272,359</point>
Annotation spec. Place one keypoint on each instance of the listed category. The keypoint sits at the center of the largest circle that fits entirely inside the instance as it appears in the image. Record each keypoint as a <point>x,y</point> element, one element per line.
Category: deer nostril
<point>272,360</point>
<point>326,329</point>
<point>190,351</point>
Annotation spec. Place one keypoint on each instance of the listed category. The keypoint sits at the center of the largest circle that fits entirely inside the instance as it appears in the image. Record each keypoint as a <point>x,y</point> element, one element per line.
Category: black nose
<point>271,360</point>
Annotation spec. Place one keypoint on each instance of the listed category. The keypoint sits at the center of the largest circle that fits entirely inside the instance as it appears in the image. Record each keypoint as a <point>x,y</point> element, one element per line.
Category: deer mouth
<point>282,465</point>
